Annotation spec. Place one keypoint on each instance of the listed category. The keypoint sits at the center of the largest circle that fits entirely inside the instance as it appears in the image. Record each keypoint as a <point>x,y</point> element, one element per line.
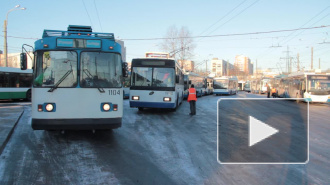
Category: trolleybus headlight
<point>49,107</point>
<point>167,99</point>
<point>106,107</point>
<point>45,45</point>
<point>135,97</point>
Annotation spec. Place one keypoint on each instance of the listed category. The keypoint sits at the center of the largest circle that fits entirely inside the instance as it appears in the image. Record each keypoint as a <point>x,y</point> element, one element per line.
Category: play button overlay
<point>259,131</point>
<point>262,131</point>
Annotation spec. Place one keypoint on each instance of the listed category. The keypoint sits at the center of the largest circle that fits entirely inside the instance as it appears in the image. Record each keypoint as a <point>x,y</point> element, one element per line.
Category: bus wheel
<point>140,108</point>
<point>176,105</point>
<point>28,95</point>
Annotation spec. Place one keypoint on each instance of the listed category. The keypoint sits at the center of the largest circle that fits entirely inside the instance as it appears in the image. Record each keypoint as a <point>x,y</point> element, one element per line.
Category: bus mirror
<point>177,79</point>
<point>189,81</point>
<point>23,61</point>
<point>125,69</point>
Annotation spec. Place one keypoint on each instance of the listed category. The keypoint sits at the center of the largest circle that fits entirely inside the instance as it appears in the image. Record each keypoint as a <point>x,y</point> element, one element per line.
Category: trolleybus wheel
<point>140,108</point>
<point>28,95</point>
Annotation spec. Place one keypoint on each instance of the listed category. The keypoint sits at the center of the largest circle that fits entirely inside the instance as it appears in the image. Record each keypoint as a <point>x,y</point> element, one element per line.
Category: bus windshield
<point>318,83</point>
<point>220,84</point>
<point>56,67</point>
<point>152,76</point>
<point>100,70</point>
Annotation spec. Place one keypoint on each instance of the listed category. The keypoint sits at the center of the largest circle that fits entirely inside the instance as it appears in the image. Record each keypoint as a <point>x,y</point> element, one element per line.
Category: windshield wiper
<point>91,77</point>
<point>60,81</point>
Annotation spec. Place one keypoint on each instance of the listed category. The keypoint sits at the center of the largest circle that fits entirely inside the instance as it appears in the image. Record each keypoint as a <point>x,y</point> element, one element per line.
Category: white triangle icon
<point>259,131</point>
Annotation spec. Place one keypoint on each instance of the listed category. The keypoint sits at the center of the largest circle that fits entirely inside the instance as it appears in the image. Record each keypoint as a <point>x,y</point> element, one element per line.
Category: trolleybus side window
<point>56,67</point>
<point>100,70</point>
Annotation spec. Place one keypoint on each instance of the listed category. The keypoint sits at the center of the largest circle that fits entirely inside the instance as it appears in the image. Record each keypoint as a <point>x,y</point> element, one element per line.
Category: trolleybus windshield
<point>152,76</point>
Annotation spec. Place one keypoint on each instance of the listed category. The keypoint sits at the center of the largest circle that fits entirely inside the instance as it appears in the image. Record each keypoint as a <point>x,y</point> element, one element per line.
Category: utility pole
<point>227,74</point>
<point>256,67</point>
<point>298,68</point>
<point>312,59</point>
<point>290,64</point>
<point>319,63</point>
<point>206,67</point>
<point>287,60</point>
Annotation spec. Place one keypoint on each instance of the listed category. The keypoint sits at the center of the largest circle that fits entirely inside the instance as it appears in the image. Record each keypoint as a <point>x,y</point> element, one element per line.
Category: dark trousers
<point>192,107</point>
<point>268,94</point>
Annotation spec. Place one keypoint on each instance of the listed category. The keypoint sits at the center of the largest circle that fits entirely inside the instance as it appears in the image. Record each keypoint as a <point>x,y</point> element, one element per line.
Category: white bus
<point>225,85</point>
<point>198,81</point>
<point>156,83</point>
<point>310,86</point>
<point>15,83</point>
<point>258,86</point>
<point>78,80</point>
<point>247,87</point>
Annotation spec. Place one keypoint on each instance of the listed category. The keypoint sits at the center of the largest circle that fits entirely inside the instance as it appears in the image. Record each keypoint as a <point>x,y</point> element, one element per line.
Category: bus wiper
<point>91,77</point>
<point>60,81</point>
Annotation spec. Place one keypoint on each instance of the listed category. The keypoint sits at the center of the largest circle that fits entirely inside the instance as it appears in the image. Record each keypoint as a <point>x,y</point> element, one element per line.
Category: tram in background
<point>312,87</point>
<point>15,83</point>
<point>225,85</point>
<point>156,83</point>
<point>77,80</point>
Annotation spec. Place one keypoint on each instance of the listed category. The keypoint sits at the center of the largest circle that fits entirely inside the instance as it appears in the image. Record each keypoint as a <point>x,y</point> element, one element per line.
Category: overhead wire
<point>87,13</point>
<point>223,17</point>
<point>233,34</point>
<point>234,16</point>
<point>98,17</point>
<point>284,39</point>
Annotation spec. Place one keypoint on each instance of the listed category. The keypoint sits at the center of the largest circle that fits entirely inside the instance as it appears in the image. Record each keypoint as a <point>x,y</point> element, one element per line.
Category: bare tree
<point>179,43</point>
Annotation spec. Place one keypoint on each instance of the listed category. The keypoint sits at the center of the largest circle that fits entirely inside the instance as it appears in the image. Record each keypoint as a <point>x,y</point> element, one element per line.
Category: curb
<point>10,133</point>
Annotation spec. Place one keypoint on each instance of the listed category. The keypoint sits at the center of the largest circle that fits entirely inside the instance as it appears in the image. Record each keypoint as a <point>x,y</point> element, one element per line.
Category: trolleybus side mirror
<point>23,61</point>
<point>177,79</point>
<point>189,81</point>
<point>125,69</point>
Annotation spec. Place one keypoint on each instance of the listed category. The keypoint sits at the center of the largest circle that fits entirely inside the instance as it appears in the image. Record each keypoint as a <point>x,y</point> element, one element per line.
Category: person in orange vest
<point>274,92</point>
<point>192,98</point>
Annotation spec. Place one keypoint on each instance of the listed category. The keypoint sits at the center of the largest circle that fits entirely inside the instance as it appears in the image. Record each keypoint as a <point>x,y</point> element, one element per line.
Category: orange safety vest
<point>273,90</point>
<point>192,94</point>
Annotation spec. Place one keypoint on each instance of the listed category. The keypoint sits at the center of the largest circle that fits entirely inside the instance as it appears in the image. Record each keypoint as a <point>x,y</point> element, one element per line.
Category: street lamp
<point>5,32</point>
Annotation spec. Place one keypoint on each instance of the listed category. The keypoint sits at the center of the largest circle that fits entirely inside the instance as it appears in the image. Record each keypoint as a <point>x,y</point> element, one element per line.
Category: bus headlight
<point>106,107</point>
<point>135,97</point>
<point>50,107</point>
<point>166,99</point>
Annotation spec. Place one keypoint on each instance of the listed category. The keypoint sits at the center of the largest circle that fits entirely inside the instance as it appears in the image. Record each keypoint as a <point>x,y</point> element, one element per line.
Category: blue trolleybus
<point>77,80</point>
<point>156,83</point>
